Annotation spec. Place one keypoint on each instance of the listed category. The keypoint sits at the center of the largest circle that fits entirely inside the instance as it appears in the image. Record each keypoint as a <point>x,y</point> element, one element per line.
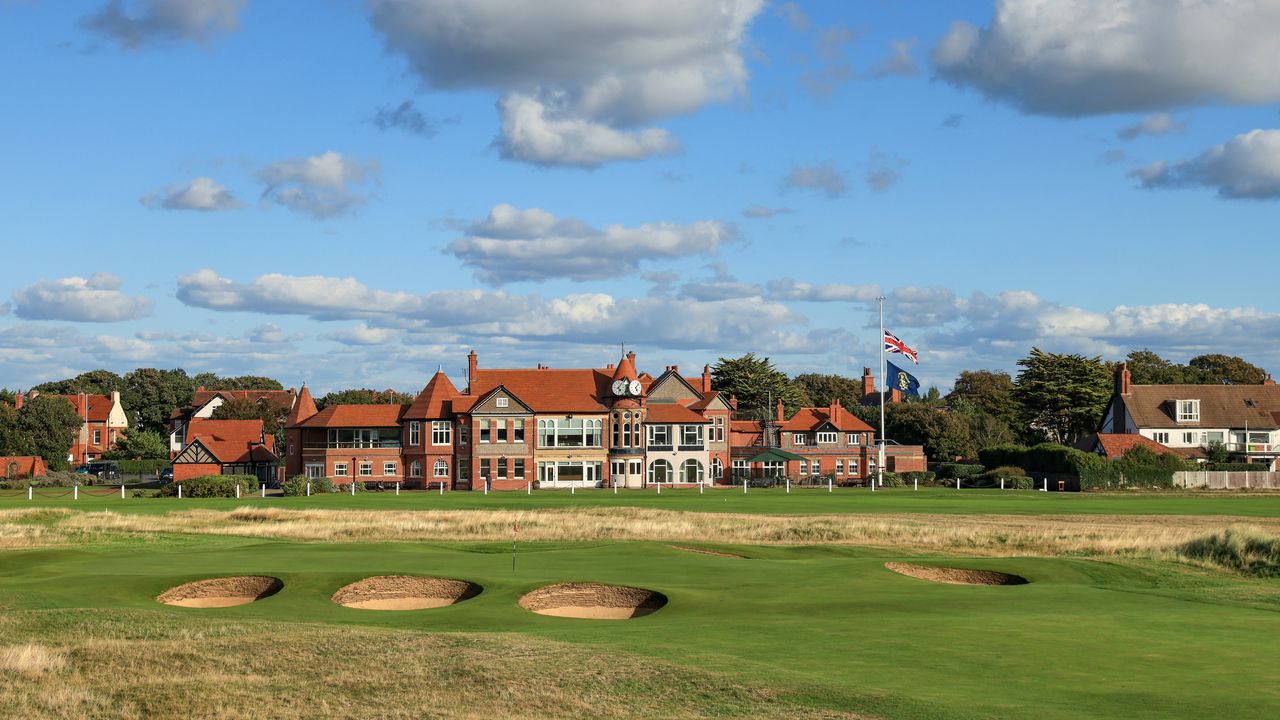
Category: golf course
<point>763,604</point>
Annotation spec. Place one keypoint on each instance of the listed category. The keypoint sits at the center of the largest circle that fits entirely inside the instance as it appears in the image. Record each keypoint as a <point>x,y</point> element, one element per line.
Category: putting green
<point>831,625</point>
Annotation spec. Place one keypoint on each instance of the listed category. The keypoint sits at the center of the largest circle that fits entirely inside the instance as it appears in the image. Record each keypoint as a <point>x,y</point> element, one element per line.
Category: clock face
<point>619,387</point>
<point>635,388</point>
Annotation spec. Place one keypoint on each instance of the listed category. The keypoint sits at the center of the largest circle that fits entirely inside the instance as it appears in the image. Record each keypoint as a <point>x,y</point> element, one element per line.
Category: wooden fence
<point>1223,480</point>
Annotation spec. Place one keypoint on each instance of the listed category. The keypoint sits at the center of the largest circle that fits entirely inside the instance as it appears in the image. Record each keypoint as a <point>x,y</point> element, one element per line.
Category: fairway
<point>748,630</point>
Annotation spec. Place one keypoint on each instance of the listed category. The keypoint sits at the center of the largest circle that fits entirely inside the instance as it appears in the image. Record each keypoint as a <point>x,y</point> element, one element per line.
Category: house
<point>15,467</point>
<point>1187,419</point>
<point>344,442</point>
<point>428,438</point>
<point>104,422</point>
<point>226,447</point>
<point>205,402</point>
<point>1114,445</point>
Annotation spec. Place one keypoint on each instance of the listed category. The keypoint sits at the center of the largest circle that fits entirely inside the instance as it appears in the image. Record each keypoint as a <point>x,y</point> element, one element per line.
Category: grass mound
<point>955,576</point>
<point>222,592</point>
<point>593,601</point>
<point>1239,550</point>
<point>405,592</point>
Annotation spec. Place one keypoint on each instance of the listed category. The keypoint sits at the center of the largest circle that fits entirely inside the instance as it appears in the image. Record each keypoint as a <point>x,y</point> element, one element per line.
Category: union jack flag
<point>893,345</point>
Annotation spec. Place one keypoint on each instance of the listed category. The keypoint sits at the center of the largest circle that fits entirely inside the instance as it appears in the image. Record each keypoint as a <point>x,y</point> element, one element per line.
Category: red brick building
<point>226,447</point>
<point>14,467</point>
<point>205,402</point>
<point>104,422</point>
<point>345,442</point>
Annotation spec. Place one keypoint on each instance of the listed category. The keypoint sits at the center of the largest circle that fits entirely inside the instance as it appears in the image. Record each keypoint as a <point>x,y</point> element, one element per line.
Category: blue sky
<point>353,193</point>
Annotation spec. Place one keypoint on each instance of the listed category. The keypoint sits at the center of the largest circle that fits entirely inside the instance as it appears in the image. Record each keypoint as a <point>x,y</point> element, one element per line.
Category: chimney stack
<point>473,363</point>
<point>706,379</point>
<point>868,383</point>
<point>782,412</point>
<point>115,397</point>
<point>1268,380</point>
<point>18,400</point>
<point>1124,385</point>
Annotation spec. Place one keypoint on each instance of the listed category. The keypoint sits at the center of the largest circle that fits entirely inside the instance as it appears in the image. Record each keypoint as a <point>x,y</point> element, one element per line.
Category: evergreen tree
<point>756,383</point>
<point>50,425</point>
<point>1062,396</point>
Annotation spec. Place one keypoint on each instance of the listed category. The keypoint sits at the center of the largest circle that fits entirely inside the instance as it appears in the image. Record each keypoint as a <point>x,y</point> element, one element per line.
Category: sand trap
<point>704,551</point>
<point>956,576</point>
<point>222,592</point>
<point>405,592</point>
<point>593,601</point>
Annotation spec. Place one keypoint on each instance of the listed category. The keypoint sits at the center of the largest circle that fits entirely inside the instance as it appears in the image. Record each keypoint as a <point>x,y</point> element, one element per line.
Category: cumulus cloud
<point>203,194</point>
<point>512,245</point>
<point>578,80</point>
<point>143,22</point>
<point>1096,57</point>
<point>410,119</point>
<point>1153,125</point>
<point>96,299</point>
<point>720,286</point>
<point>364,336</point>
<point>320,185</point>
<point>789,290</point>
<point>823,177</point>
<point>1245,167</point>
<point>760,211</point>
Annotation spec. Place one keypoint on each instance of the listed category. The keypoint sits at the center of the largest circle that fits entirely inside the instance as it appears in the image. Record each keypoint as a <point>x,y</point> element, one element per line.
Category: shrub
<point>296,486</point>
<point>1232,467</point>
<point>924,477</point>
<point>992,477</point>
<point>1020,483</point>
<point>1046,458</point>
<point>212,486</point>
<point>962,471</point>
<point>1233,549</point>
<point>1115,476</point>
<point>892,479</point>
<point>55,478</point>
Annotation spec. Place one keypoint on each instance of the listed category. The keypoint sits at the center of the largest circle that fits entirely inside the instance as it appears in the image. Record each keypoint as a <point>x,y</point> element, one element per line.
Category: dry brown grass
<point>30,660</point>
<point>136,664</point>
<point>966,534</point>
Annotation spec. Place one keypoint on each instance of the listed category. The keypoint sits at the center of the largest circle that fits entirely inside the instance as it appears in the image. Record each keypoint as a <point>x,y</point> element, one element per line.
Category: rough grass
<point>1005,535</point>
<point>1237,549</point>
<point>137,664</point>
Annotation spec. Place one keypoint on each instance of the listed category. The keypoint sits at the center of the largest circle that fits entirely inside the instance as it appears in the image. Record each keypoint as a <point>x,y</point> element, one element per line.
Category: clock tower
<point>626,420</point>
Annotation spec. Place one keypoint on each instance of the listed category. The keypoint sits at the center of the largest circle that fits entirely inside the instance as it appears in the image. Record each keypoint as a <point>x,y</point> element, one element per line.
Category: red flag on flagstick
<point>893,345</point>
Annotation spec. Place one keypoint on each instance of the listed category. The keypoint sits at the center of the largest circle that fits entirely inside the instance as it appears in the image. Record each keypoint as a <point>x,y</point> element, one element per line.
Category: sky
<point>352,194</point>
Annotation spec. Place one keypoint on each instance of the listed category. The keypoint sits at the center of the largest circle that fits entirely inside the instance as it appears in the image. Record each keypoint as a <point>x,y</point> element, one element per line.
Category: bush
<point>1232,467</point>
<point>892,479</point>
<point>55,478</point>
<point>1241,551</point>
<point>1049,458</point>
<point>212,486</point>
<point>923,477</point>
<point>961,471</point>
<point>1114,476</point>
<point>992,477</point>
<point>296,486</point>
<point>1020,483</point>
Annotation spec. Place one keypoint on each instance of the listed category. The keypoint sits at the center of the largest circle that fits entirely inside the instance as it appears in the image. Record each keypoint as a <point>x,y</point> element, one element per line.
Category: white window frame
<point>314,470</point>
<point>839,466</point>
<point>339,469</point>
<point>851,467</point>
<point>698,472</point>
<point>1188,410</point>
<point>517,430</point>
<point>500,430</point>
<point>668,471</point>
<point>366,468</point>
<point>652,433</point>
<point>415,469</point>
<point>827,438</point>
<point>1160,437</point>
<point>440,468</point>
<point>415,432</point>
<point>501,402</point>
<point>517,468</point>
<point>717,469</point>
<point>719,429</point>
<point>804,467</point>
<point>485,429</point>
<point>97,437</point>
<point>740,469</point>
<point>694,432</point>
<point>797,439</point>
<point>851,439</point>
<point>390,467</point>
<point>441,432</point>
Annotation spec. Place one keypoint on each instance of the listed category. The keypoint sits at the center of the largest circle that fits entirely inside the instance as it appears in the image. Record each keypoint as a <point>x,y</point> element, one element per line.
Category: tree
<point>50,425</point>
<point>987,391</point>
<point>1228,368</point>
<point>140,445</point>
<point>822,389</point>
<point>945,436</point>
<point>365,396</point>
<point>211,381</point>
<point>150,396</point>
<point>1062,396</point>
<point>8,396</point>
<point>756,383</point>
<point>94,382</point>
<point>1148,368</point>
<point>13,441</point>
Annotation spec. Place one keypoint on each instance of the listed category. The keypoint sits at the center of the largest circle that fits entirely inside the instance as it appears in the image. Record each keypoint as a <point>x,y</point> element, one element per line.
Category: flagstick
<point>885,385</point>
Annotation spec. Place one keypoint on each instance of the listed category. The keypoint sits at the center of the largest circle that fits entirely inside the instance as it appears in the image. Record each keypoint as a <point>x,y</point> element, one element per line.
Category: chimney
<point>675,369</point>
<point>835,409</point>
<point>782,412</point>
<point>1268,380</point>
<point>706,379</point>
<point>868,383</point>
<point>200,388</point>
<point>473,362</point>
<point>1123,383</point>
<point>18,400</point>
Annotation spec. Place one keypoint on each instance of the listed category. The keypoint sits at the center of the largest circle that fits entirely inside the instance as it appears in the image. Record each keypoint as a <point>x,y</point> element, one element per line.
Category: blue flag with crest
<point>902,381</point>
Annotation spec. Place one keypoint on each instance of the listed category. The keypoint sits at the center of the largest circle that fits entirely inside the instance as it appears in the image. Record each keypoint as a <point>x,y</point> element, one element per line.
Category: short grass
<point>797,627</point>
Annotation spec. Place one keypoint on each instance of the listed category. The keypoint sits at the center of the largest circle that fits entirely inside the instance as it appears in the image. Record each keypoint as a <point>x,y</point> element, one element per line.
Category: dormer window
<point>1188,410</point>
<point>827,438</point>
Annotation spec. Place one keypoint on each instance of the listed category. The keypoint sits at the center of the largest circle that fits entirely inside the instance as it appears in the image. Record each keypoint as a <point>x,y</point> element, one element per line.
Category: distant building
<point>205,402</point>
<point>1187,419</point>
<point>16,467</point>
<point>226,447</point>
<point>104,422</point>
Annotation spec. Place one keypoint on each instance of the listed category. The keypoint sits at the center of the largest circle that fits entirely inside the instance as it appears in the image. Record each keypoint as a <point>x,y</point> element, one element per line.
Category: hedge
<point>212,486</point>
<point>1045,458</point>
<point>297,485</point>
<point>923,477</point>
<point>1116,477</point>
<point>962,471</point>
<point>1233,467</point>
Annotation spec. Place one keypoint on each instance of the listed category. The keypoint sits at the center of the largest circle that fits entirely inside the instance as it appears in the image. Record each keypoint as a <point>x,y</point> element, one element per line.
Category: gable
<point>671,387</point>
<point>196,452</point>
<point>489,404</point>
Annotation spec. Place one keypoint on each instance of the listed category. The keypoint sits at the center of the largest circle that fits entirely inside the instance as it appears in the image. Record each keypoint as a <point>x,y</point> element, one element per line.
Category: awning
<point>776,455</point>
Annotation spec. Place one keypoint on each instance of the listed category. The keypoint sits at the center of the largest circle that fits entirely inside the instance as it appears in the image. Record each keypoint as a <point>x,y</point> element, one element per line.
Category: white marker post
<point>744,486</point>
<point>308,489</point>
<point>29,495</point>
<point>122,492</point>
<point>829,484</point>
<point>397,488</point>
<point>1046,485</point>
<point>1001,483</point>
<point>528,488</point>
<point>237,491</point>
<point>659,487</point>
<point>915,485</point>
<point>788,486</point>
<point>179,491</point>
<point>442,489</point>
<point>353,488</point>
<point>573,489</point>
<point>701,486</point>
<point>615,488</point>
<point>75,493</point>
<point>957,483</point>
<point>263,486</point>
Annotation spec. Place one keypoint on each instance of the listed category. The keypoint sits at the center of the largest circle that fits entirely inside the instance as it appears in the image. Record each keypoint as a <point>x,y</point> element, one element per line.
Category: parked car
<point>104,469</point>
<point>166,475</point>
<point>82,470</point>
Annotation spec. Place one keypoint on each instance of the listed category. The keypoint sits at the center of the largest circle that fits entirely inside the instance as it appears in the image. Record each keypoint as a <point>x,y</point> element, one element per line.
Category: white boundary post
<point>75,492</point>
<point>957,483</point>
<point>353,487</point>
<point>659,488</point>
<point>237,491</point>
<point>615,487</point>
<point>744,486</point>
<point>441,488</point>
<point>788,485</point>
<point>263,487</point>
<point>573,489</point>
<point>486,486</point>
<point>29,493</point>
<point>308,489</point>
<point>179,491</point>
<point>1001,483</point>
<point>122,491</point>
<point>829,484</point>
<point>702,486</point>
<point>528,488</point>
<point>397,488</point>
<point>915,485</point>
<point>1046,485</point>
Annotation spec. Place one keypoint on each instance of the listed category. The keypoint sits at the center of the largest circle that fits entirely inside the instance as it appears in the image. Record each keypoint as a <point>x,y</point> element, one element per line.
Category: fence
<point>1233,480</point>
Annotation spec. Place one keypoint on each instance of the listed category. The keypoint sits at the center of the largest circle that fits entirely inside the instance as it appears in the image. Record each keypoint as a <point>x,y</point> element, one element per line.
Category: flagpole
<point>885,386</point>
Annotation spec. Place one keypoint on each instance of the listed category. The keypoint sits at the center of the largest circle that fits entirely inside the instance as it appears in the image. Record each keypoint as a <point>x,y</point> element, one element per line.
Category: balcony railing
<point>1252,447</point>
<point>381,444</point>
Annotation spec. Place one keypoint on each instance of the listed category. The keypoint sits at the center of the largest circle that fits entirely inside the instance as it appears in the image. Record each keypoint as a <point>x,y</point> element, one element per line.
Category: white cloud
<point>823,177</point>
<point>1245,167</point>
<point>141,22</point>
<point>720,286</point>
<point>577,77</point>
<point>96,299</point>
<point>1095,57</point>
<point>363,335</point>
<point>1153,125</point>
<point>200,194</point>
<point>789,290</point>
<point>512,245</point>
<point>320,185</point>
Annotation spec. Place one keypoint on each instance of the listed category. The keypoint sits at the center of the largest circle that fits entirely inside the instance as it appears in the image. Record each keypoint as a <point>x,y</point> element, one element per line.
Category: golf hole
<point>222,592</point>
<point>593,601</point>
<point>405,592</point>
<point>956,576</point>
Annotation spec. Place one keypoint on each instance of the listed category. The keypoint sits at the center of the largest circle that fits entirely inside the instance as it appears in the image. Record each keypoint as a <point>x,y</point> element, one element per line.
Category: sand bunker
<point>956,576</point>
<point>405,592</point>
<point>704,551</point>
<point>222,592</point>
<point>593,601</point>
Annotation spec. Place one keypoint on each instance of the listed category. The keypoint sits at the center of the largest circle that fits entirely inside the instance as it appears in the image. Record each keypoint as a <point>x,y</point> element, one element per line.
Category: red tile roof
<point>549,390</point>
<point>436,399</point>
<point>232,441</point>
<point>673,413</point>
<point>22,466</point>
<point>303,408</point>
<point>355,416</point>
<point>1115,445</point>
<point>99,406</point>
<point>809,419</point>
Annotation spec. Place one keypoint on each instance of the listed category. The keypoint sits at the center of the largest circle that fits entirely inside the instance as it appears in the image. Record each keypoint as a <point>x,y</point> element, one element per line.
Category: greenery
<point>45,426</point>
<point>1231,467</point>
<point>1062,396</point>
<point>962,471</point>
<point>140,445</point>
<point>1011,475</point>
<point>1239,550</point>
<point>822,389</point>
<point>296,486</point>
<point>757,385</point>
<point>54,479</point>
<point>364,396</point>
<point>212,486</point>
<point>274,414</point>
<point>1148,368</point>
<point>1043,458</point>
<point>212,381</point>
<point>149,396</point>
<point>142,467</point>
